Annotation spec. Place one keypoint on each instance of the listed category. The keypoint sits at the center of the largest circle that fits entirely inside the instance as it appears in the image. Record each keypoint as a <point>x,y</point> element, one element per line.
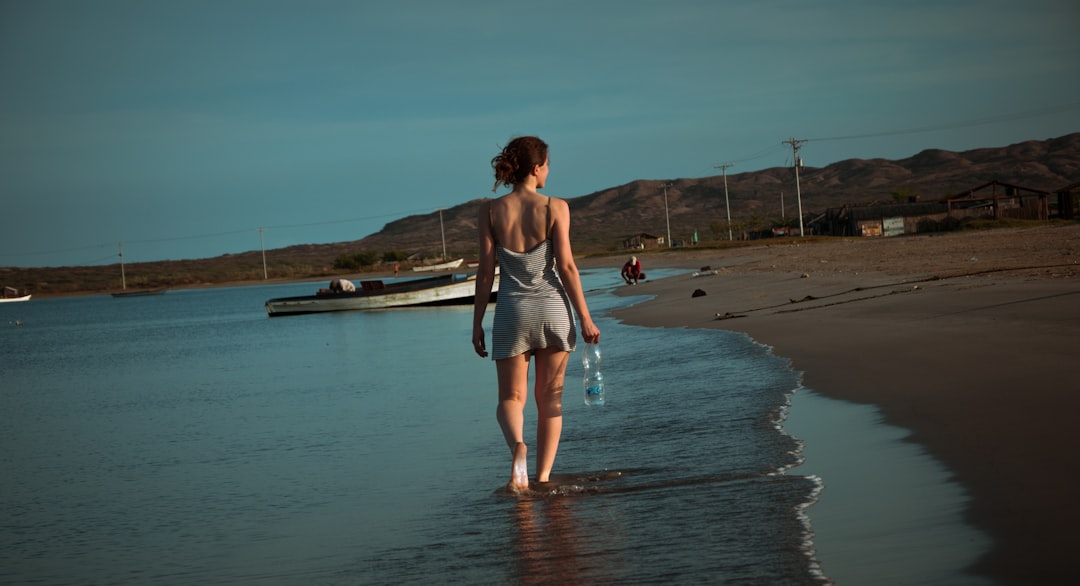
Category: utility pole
<point>123,279</point>
<point>263,247</point>
<point>795,144</point>
<point>666,215</point>
<point>442,232</point>
<point>727,204</point>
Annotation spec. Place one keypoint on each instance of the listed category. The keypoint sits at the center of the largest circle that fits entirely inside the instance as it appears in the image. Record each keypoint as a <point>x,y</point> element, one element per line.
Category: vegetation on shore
<point>300,263</point>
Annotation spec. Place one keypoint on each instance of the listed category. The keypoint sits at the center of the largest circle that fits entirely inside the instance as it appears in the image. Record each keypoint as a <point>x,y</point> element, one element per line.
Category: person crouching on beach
<point>631,271</point>
<point>528,235</point>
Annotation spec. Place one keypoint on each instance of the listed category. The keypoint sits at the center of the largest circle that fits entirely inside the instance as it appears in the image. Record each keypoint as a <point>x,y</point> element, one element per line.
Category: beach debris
<point>805,276</point>
<point>698,293</point>
<point>728,315</point>
<point>706,271</point>
<point>807,298</point>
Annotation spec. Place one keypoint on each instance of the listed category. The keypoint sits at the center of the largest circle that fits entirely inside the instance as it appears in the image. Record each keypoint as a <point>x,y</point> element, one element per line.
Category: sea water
<point>188,438</point>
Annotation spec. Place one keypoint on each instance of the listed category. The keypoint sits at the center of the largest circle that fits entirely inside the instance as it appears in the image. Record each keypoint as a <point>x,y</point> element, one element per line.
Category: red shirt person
<point>631,271</point>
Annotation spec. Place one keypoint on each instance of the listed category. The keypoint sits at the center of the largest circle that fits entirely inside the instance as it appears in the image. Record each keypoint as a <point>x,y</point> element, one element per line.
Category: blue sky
<point>181,128</point>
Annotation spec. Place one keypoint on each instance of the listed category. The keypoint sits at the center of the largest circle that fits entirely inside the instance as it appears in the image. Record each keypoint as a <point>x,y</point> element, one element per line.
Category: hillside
<point>603,219</point>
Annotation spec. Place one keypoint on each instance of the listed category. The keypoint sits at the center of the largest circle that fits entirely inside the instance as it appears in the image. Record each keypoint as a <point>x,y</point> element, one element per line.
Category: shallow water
<point>188,438</point>
<point>888,514</point>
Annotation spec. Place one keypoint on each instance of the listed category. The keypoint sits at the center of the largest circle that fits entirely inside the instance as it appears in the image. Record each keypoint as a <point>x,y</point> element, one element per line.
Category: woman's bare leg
<point>550,373</point>
<point>513,376</point>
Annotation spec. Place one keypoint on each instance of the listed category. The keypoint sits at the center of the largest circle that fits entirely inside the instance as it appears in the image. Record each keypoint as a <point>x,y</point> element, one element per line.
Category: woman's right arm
<point>485,277</point>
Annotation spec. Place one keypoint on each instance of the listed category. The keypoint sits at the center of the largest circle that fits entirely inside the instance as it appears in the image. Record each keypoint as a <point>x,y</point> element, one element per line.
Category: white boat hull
<point>431,291</point>
<point>446,266</point>
<point>14,299</point>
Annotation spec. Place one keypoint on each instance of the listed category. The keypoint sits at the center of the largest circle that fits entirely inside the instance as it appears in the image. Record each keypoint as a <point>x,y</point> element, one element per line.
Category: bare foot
<point>519,473</point>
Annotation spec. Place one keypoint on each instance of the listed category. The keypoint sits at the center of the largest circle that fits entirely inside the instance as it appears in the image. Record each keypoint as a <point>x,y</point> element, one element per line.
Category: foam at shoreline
<point>968,362</point>
<point>888,513</point>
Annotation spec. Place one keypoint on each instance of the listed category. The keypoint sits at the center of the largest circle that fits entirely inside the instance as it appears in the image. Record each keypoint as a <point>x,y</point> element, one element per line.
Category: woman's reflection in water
<point>549,543</point>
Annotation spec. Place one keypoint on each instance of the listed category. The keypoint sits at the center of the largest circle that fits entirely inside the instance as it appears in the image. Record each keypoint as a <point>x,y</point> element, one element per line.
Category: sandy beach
<point>966,339</point>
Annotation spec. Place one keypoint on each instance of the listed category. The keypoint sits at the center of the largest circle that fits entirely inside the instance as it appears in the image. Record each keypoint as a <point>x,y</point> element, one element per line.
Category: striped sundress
<point>533,310</point>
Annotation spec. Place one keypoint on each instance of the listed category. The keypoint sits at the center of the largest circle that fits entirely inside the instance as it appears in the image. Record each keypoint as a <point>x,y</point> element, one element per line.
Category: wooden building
<point>992,200</point>
<point>1067,201</point>
<point>998,200</point>
<point>642,241</point>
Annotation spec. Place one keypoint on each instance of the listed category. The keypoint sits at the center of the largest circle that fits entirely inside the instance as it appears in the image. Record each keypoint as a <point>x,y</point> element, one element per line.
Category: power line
<point>63,250</point>
<point>964,124</point>
<point>195,237</point>
<point>920,129</point>
<point>212,235</point>
<point>279,227</point>
<point>328,222</point>
<point>762,153</point>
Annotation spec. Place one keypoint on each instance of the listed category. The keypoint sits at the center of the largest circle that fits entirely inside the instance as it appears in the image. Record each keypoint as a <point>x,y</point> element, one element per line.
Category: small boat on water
<point>450,289</point>
<point>11,295</point>
<point>446,266</point>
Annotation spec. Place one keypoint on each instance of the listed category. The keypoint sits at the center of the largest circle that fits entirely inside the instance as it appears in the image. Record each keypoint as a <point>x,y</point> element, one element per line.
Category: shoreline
<point>859,537</point>
<point>966,339</point>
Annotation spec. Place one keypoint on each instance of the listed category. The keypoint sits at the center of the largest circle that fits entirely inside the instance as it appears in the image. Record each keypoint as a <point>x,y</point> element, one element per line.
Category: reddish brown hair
<point>517,160</point>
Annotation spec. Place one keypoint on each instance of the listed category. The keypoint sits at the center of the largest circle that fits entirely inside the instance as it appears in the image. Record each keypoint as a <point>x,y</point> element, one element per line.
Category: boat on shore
<point>442,266</point>
<point>11,295</point>
<point>450,289</point>
<point>139,292</point>
<point>446,266</point>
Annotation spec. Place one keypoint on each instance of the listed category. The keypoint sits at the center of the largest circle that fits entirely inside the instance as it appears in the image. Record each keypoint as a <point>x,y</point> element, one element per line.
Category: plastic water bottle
<point>594,379</point>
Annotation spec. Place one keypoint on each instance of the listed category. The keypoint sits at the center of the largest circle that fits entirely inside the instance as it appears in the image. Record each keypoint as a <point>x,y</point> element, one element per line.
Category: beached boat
<point>442,266</point>
<point>450,289</point>
<point>11,295</point>
<point>139,292</point>
<point>446,266</point>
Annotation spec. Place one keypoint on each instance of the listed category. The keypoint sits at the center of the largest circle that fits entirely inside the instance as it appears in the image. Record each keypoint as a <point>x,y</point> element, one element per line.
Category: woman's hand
<point>478,342</point>
<point>590,332</point>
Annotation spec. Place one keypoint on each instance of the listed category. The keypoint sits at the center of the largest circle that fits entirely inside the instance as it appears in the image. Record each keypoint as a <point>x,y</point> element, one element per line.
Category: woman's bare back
<point>520,222</point>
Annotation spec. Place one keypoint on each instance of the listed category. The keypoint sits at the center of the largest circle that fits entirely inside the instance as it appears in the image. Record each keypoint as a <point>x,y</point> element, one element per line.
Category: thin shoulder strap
<point>548,222</point>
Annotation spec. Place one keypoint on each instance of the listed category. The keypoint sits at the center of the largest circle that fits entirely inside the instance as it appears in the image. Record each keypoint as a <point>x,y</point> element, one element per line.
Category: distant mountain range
<point>601,220</point>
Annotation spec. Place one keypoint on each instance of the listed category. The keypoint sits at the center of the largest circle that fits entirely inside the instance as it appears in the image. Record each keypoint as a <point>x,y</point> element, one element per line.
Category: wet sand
<point>969,340</point>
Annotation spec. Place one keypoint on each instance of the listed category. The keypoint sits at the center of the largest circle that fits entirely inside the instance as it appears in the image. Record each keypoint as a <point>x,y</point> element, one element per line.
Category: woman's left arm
<point>568,271</point>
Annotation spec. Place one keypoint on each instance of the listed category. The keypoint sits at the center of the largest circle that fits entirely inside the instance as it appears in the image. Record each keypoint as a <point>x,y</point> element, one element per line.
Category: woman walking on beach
<point>528,234</point>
